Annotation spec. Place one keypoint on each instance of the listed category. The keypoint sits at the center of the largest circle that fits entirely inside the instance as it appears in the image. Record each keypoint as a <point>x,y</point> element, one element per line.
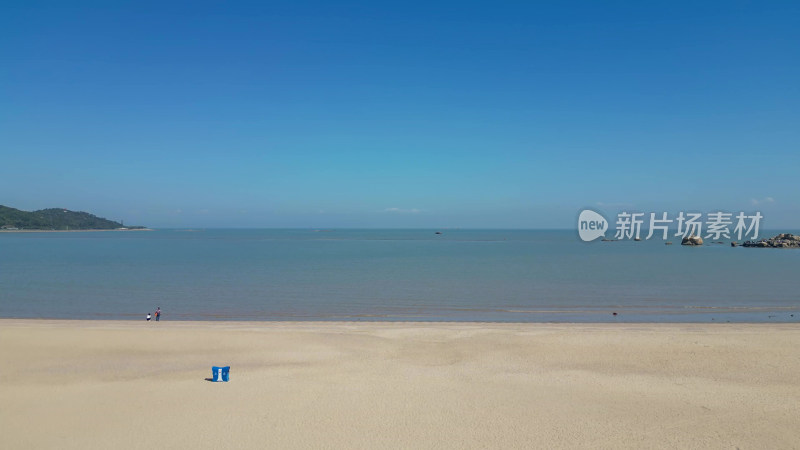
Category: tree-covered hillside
<point>54,219</point>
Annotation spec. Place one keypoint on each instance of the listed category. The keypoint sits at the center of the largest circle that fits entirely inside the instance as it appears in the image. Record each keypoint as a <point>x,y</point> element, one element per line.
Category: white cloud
<point>403,211</point>
<point>756,201</point>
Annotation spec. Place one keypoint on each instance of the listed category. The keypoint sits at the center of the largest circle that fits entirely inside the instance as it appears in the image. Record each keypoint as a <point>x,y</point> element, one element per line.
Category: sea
<point>391,275</point>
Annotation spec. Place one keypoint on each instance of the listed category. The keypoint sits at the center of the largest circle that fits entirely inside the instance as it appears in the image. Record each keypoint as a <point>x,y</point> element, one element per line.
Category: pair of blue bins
<point>220,373</point>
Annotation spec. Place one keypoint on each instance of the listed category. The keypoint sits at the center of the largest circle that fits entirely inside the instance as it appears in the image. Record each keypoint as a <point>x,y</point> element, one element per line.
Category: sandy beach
<point>105,384</point>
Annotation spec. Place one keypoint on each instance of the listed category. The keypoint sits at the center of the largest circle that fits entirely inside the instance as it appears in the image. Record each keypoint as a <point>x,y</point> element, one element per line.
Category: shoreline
<point>760,315</point>
<point>100,383</point>
<point>421,323</point>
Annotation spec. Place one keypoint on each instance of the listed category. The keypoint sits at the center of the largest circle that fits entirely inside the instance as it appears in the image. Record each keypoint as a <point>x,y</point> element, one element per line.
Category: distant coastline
<point>72,231</point>
<point>57,219</point>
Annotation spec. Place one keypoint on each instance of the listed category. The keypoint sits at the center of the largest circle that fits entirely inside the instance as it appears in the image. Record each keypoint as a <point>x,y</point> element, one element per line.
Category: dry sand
<point>104,385</point>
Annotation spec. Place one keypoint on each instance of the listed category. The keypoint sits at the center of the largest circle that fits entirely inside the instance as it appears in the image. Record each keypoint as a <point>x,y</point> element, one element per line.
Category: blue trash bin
<point>220,373</point>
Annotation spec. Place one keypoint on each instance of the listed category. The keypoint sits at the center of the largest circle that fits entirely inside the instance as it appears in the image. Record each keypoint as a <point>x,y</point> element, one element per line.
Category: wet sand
<point>118,384</point>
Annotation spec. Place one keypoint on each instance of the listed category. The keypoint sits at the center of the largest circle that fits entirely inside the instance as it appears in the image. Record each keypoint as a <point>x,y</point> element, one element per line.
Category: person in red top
<point>158,313</point>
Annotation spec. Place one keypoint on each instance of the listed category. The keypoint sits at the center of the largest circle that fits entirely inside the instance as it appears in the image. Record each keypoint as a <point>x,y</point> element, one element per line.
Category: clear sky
<point>399,114</point>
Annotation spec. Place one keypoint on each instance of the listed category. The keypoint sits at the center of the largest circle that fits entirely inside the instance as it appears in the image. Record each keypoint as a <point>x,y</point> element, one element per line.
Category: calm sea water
<point>415,275</point>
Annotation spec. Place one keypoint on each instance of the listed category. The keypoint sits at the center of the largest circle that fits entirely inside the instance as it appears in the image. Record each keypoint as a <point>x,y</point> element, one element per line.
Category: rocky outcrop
<point>692,240</point>
<point>783,240</point>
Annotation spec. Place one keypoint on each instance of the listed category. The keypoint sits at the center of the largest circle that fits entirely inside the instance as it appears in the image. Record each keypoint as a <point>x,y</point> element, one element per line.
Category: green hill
<point>54,219</point>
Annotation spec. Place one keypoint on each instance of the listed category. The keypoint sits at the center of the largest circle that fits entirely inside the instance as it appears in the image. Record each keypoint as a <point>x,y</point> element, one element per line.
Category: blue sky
<point>409,114</point>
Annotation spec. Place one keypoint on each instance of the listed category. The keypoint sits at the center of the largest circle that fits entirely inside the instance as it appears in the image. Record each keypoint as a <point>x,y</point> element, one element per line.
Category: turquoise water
<point>460,275</point>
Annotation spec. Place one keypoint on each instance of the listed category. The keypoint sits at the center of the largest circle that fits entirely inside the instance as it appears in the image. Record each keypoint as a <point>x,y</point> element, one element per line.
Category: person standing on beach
<point>148,317</point>
<point>158,313</point>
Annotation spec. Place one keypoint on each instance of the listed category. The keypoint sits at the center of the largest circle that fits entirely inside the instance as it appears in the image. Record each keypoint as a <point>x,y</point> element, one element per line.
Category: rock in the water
<point>692,240</point>
<point>667,243</point>
<point>734,244</point>
<point>783,240</point>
